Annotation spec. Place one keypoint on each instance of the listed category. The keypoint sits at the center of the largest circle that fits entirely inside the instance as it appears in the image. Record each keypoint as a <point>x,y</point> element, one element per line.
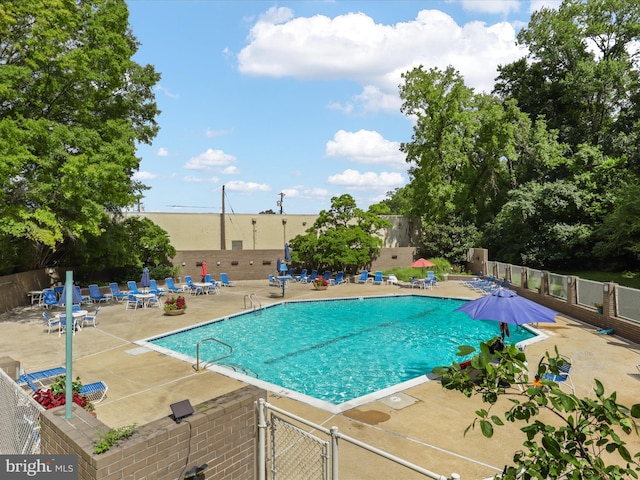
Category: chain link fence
<point>20,426</point>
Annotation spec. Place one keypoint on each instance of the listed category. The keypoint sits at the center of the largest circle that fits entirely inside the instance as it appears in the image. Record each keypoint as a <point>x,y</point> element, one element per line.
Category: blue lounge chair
<point>116,293</point>
<point>171,286</point>
<point>364,276</point>
<point>42,376</point>
<point>327,276</point>
<point>153,288</point>
<point>49,298</point>
<point>312,277</point>
<point>224,281</point>
<point>338,280</point>
<point>377,280</point>
<point>95,392</point>
<point>133,287</point>
<point>95,295</point>
<point>302,276</point>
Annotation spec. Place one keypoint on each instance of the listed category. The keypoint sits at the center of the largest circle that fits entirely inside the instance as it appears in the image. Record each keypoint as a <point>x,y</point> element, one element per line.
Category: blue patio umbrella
<point>278,263</point>
<point>145,280</point>
<point>506,306</point>
<point>287,253</point>
<point>76,296</point>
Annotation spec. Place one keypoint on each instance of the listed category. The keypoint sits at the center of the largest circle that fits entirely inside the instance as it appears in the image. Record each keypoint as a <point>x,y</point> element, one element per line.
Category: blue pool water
<point>339,350</point>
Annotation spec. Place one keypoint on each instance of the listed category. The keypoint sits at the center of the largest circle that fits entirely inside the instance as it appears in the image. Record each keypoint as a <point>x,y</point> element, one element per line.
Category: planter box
<point>173,313</point>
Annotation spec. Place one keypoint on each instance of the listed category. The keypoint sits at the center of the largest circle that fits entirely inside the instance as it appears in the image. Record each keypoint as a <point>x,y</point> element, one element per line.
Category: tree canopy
<point>342,238</point>
<point>537,167</point>
<point>73,106</point>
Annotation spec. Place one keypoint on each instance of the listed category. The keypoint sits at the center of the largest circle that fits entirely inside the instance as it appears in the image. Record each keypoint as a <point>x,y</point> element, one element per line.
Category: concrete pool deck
<point>423,424</point>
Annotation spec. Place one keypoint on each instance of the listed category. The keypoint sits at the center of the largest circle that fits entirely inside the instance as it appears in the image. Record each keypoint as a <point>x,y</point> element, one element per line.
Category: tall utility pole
<point>223,240</point>
<point>279,203</point>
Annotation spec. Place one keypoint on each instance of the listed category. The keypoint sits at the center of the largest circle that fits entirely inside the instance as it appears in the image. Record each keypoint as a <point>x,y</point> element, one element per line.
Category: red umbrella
<point>204,270</point>
<point>421,263</point>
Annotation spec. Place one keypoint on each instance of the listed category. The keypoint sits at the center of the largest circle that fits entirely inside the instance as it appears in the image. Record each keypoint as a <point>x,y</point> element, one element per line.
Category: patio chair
<point>95,392</point>
<point>327,276</point>
<point>41,377</point>
<point>224,281</point>
<point>377,280</point>
<point>274,282</point>
<point>116,293</point>
<point>364,277</point>
<point>90,318</point>
<point>53,323</point>
<point>171,286</point>
<point>133,302</point>
<point>563,376</point>
<point>95,295</point>
<point>215,285</point>
<point>191,288</point>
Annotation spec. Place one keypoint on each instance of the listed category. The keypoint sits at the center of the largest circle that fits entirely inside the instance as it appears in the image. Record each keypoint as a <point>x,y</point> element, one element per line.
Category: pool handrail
<point>210,339</point>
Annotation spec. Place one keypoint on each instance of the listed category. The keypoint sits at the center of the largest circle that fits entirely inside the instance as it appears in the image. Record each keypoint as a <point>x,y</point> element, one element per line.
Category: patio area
<point>424,424</point>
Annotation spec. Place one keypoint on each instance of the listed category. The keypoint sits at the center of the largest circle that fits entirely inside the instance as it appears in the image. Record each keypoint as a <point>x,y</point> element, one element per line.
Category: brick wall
<point>220,433</point>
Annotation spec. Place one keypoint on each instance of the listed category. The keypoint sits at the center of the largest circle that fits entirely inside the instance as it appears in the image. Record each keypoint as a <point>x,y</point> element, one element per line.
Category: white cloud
<point>209,133</point>
<point>354,47</point>
<point>303,192</point>
<point>192,179</point>
<point>367,147</point>
<point>368,180</point>
<point>492,6</point>
<point>162,152</point>
<point>166,91</point>
<point>142,176</point>
<point>540,4</point>
<point>210,159</point>
<point>230,170</point>
<point>246,187</point>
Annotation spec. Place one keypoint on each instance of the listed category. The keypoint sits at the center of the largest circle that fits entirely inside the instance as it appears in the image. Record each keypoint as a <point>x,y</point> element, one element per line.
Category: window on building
<point>236,244</point>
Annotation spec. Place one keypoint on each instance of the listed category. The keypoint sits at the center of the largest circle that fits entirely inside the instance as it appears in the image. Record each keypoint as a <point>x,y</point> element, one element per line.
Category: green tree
<point>73,105</point>
<point>464,147</point>
<point>581,73</point>
<point>342,238</point>
<point>572,447</point>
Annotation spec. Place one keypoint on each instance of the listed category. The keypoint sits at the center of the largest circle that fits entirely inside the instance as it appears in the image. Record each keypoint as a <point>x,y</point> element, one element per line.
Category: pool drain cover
<point>398,400</point>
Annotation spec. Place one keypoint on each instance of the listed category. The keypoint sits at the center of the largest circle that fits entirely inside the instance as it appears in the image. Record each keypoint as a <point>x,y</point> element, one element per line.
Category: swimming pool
<point>340,352</point>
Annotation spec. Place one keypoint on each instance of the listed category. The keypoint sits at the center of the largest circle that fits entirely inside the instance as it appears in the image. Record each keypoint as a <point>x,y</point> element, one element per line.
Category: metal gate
<point>295,453</point>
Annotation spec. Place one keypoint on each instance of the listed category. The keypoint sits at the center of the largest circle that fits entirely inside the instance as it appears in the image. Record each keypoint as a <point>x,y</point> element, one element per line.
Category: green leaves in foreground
<point>586,441</point>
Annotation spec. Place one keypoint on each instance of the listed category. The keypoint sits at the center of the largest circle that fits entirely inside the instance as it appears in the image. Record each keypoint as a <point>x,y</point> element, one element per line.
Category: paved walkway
<point>424,424</point>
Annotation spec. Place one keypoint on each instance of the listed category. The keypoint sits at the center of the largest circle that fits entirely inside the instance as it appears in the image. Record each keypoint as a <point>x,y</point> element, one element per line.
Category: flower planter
<point>320,287</point>
<point>172,313</point>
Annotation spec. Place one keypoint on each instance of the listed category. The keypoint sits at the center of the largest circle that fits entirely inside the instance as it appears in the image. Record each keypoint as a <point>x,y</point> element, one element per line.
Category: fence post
<point>334,453</point>
<point>609,300</point>
<point>572,291</point>
<point>262,447</point>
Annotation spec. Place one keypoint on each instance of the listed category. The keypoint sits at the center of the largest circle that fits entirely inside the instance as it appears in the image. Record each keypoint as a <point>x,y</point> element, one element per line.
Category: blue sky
<point>299,97</point>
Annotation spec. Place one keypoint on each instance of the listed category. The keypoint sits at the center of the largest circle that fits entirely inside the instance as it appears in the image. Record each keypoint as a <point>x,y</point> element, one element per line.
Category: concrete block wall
<point>258,264</point>
<point>220,433</point>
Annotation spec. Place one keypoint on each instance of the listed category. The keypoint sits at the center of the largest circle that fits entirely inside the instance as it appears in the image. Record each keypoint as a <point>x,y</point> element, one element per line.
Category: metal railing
<point>295,452</point>
<point>252,300</point>
<point>196,367</point>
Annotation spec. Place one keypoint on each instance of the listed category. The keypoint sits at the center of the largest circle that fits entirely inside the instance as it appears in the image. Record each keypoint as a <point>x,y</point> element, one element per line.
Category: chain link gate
<point>296,453</point>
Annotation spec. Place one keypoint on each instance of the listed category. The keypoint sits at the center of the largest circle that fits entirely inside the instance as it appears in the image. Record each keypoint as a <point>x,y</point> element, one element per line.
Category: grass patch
<point>626,279</point>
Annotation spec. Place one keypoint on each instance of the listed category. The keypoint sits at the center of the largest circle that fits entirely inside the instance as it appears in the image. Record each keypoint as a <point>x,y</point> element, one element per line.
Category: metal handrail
<point>253,300</point>
<point>210,339</point>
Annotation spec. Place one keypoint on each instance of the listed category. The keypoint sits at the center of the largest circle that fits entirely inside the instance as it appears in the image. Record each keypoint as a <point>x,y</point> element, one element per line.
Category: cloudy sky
<point>299,97</point>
